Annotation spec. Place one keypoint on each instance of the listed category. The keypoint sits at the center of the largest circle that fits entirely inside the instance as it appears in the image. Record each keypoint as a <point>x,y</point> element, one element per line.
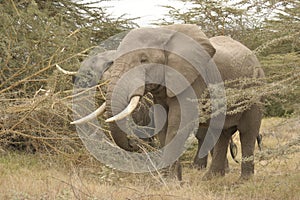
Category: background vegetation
<point>35,99</point>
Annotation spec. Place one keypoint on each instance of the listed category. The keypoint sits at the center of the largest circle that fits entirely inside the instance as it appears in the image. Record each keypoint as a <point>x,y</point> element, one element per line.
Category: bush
<point>35,100</point>
<point>279,67</point>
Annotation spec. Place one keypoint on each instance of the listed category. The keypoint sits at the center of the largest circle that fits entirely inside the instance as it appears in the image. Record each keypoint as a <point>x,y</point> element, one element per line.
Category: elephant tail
<point>233,150</point>
<point>259,140</point>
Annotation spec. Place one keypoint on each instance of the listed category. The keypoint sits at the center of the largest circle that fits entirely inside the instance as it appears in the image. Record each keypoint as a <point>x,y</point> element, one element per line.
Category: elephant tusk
<point>91,116</point>
<point>127,111</point>
<point>65,71</point>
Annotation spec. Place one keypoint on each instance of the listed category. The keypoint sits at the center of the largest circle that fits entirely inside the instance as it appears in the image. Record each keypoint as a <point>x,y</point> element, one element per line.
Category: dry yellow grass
<point>51,177</point>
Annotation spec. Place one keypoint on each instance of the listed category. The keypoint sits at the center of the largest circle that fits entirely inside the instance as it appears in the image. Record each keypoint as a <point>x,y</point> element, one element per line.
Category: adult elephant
<point>98,67</point>
<point>154,47</point>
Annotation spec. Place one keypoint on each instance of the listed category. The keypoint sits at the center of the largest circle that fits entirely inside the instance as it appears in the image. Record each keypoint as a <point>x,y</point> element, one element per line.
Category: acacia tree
<point>252,22</point>
<point>266,27</point>
<point>213,16</point>
<point>285,24</point>
<point>35,35</point>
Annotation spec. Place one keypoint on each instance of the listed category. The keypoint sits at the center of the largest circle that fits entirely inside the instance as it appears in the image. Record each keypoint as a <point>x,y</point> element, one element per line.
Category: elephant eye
<point>144,60</point>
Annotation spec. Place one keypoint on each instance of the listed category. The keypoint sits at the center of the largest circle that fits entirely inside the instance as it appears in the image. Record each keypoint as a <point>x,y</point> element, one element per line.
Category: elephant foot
<point>246,177</point>
<point>213,174</point>
<point>173,172</point>
<point>207,176</point>
<point>227,170</point>
<point>178,170</point>
<point>199,165</point>
<point>247,170</point>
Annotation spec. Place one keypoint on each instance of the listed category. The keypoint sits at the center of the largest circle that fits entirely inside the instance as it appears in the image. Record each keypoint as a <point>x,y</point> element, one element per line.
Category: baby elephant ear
<point>190,57</point>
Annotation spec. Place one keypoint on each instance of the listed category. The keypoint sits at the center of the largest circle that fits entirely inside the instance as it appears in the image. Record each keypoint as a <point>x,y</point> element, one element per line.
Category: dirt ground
<point>277,175</point>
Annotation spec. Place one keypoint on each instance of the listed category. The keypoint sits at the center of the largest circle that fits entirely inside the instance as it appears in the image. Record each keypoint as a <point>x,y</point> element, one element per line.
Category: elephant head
<point>93,69</point>
<point>99,67</point>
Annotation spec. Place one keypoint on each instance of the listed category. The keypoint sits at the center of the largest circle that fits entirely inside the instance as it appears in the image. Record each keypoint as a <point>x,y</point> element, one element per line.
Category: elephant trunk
<point>119,96</point>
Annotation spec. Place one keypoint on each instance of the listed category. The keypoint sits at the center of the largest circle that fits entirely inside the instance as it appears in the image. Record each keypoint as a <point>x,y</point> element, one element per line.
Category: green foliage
<point>252,22</point>
<point>287,17</point>
<point>279,67</point>
<point>35,35</point>
<point>286,22</point>
<point>213,16</point>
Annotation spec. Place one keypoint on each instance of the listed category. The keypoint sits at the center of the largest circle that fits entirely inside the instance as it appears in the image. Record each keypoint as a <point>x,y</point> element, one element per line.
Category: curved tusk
<point>65,71</point>
<point>127,111</point>
<point>91,116</point>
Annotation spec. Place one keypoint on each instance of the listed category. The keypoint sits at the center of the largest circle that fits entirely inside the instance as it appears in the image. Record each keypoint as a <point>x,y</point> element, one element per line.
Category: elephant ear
<point>188,53</point>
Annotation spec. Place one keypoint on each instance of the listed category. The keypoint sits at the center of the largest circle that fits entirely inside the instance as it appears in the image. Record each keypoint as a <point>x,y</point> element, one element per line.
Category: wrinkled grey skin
<point>98,67</point>
<point>95,68</point>
<point>233,61</point>
<point>201,163</point>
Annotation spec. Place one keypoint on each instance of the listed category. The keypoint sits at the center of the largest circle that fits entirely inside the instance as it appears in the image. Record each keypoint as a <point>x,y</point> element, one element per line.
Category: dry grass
<point>51,177</point>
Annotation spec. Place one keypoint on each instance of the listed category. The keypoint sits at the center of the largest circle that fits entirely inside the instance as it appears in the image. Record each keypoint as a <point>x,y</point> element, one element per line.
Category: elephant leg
<point>229,132</point>
<point>200,163</point>
<point>162,133</point>
<point>218,163</point>
<point>173,145</point>
<point>249,131</point>
<point>226,161</point>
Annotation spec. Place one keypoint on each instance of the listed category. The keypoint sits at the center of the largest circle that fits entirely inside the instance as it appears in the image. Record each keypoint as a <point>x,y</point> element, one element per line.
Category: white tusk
<point>65,71</point>
<point>91,116</point>
<point>127,111</point>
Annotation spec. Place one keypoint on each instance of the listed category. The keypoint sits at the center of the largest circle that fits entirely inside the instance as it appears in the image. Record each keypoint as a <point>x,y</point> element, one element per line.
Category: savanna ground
<point>41,176</point>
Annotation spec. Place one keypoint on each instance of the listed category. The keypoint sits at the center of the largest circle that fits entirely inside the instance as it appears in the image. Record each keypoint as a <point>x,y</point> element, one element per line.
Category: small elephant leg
<point>249,131</point>
<point>218,163</point>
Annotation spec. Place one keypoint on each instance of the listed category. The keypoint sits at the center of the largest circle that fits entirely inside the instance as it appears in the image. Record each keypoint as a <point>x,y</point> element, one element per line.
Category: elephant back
<point>234,60</point>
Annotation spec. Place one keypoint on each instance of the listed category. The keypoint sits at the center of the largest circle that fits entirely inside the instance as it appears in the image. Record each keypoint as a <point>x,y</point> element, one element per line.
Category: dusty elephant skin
<point>92,69</point>
<point>98,67</point>
<point>233,60</point>
<point>201,163</point>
